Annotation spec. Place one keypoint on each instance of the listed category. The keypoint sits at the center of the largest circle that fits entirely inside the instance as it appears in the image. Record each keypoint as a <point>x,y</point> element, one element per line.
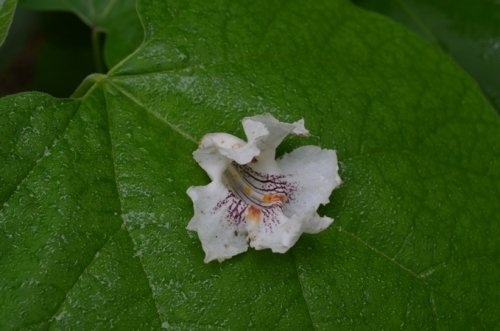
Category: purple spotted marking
<point>247,187</point>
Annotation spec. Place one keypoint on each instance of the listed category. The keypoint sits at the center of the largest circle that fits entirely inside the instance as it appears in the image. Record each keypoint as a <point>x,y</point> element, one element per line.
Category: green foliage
<point>93,189</point>
<point>470,32</point>
<point>7,9</point>
<point>118,19</point>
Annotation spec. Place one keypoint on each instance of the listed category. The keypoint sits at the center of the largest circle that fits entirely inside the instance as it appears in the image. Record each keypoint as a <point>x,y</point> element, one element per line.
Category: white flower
<point>253,198</point>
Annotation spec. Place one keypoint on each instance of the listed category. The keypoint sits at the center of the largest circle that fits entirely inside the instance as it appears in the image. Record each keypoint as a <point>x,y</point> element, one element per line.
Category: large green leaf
<point>7,9</point>
<point>470,32</point>
<point>118,19</point>
<point>94,215</point>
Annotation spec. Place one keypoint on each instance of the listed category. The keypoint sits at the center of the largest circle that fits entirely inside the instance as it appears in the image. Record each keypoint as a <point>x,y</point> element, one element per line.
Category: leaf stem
<point>97,51</point>
<point>87,83</point>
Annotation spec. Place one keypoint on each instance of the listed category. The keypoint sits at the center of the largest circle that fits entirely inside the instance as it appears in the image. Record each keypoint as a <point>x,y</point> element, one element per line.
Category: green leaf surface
<point>470,32</point>
<point>7,9</point>
<point>118,19</point>
<point>94,214</point>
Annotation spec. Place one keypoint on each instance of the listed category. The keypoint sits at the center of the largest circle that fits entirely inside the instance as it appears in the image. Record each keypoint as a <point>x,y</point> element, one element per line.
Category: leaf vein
<point>120,199</point>
<point>302,290</point>
<point>77,279</point>
<point>174,127</point>
<point>379,252</point>
<point>39,159</point>
<point>412,273</point>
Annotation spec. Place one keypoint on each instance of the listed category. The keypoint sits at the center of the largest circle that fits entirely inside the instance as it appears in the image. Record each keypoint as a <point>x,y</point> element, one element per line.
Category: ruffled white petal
<point>315,223</point>
<point>220,240</point>
<point>283,235</point>
<point>272,216</point>
<point>316,173</point>
<point>266,133</point>
<point>269,132</point>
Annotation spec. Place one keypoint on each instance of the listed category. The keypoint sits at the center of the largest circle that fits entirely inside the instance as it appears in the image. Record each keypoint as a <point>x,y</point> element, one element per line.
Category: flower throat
<point>256,189</point>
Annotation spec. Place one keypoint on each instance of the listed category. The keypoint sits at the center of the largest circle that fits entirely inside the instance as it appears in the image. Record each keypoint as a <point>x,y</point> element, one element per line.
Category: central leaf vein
<point>120,199</point>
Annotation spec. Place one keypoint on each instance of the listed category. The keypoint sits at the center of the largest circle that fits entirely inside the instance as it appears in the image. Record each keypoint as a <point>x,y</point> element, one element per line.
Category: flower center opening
<point>254,188</point>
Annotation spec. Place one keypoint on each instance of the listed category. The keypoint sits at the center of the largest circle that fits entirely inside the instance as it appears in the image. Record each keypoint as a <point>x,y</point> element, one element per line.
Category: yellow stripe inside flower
<point>255,199</point>
<point>255,189</point>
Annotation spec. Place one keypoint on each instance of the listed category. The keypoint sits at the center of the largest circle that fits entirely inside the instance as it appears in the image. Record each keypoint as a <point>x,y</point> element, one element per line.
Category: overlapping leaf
<point>7,9</point>
<point>118,19</point>
<point>469,32</point>
<point>94,215</point>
